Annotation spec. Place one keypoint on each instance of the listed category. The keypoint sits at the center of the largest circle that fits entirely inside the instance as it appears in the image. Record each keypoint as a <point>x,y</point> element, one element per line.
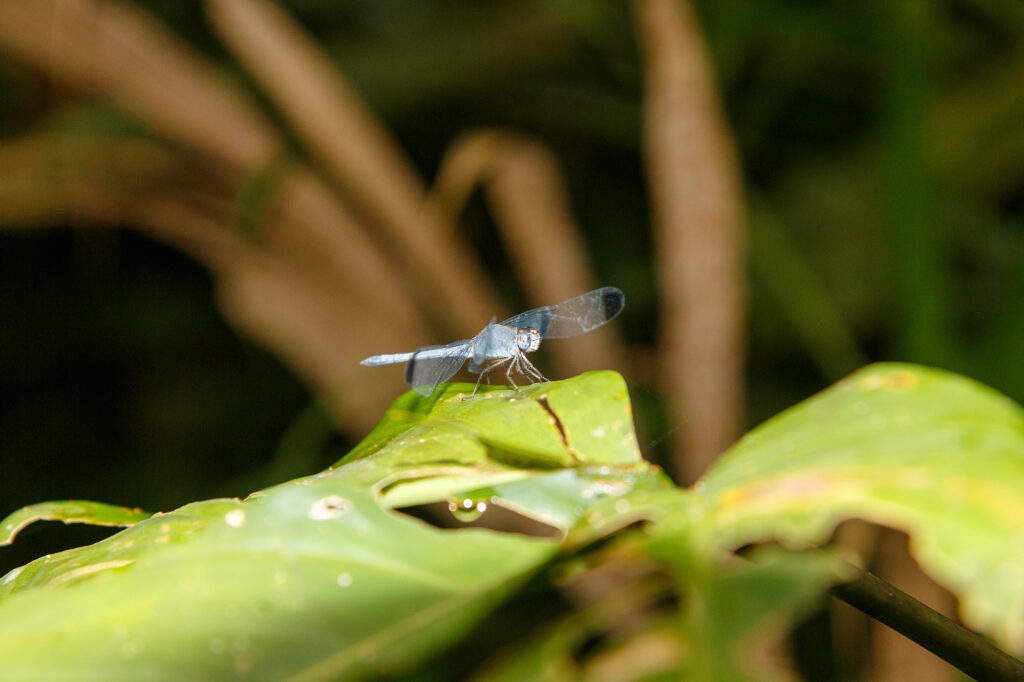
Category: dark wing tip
<point>409,367</point>
<point>614,301</point>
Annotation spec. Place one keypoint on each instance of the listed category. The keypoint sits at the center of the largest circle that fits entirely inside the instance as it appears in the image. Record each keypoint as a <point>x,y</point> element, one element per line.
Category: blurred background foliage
<point>881,148</point>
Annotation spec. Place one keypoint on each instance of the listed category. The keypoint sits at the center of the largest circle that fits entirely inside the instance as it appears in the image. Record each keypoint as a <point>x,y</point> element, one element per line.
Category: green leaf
<point>546,424</point>
<point>923,450</point>
<point>69,511</point>
<point>312,580</point>
<point>317,578</point>
<point>539,450</point>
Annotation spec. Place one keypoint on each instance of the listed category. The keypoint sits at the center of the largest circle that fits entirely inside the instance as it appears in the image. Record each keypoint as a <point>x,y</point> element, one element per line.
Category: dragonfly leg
<point>530,370</point>
<point>508,373</point>
<point>482,374</point>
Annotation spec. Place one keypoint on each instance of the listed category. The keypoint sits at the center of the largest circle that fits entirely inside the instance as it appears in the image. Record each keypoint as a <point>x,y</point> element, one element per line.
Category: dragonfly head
<point>527,339</point>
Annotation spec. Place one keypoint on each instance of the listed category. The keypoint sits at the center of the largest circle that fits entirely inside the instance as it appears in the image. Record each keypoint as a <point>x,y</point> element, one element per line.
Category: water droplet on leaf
<point>468,509</point>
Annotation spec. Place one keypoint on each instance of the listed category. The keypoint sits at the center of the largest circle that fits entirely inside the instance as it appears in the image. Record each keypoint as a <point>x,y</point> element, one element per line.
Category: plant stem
<point>955,644</point>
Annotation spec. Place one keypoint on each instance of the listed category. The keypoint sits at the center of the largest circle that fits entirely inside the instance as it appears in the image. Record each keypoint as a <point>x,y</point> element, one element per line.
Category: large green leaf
<point>932,453</point>
<point>576,450</point>
<point>317,578</point>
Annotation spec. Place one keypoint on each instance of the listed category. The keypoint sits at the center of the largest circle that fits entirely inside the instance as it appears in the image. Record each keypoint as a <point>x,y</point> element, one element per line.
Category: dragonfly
<point>506,343</point>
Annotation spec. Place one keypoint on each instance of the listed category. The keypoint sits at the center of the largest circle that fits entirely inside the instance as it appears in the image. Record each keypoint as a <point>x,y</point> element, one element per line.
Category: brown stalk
<point>530,202</point>
<point>336,125</point>
<point>316,229</point>
<point>895,657</point>
<point>278,302</point>
<point>695,191</point>
<point>47,174</point>
<point>276,299</point>
<point>116,49</point>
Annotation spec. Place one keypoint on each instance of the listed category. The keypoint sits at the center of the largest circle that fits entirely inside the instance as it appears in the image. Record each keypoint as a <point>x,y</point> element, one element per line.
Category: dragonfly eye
<point>528,339</point>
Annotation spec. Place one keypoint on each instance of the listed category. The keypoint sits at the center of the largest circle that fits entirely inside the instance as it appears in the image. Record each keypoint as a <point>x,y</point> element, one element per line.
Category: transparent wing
<point>431,365</point>
<point>575,316</point>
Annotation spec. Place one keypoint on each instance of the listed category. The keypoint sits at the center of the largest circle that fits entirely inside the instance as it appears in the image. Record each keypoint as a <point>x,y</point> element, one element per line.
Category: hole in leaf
<point>493,517</point>
<point>50,537</point>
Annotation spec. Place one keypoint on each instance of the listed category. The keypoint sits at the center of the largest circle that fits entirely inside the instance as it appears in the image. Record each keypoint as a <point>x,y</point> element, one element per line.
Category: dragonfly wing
<point>431,365</point>
<point>575,316</point>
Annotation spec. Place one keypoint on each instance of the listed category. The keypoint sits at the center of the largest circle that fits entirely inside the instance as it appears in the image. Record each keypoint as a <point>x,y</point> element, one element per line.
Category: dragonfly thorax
<point>527,339</point>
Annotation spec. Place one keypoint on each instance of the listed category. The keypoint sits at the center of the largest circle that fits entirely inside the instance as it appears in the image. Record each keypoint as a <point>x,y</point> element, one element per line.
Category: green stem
<point>918,245</point>
<point>953,643</point>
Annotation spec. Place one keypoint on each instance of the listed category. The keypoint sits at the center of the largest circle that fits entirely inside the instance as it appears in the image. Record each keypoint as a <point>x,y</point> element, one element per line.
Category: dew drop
<point>234,518</point>
<point>344,579</point>
<point>468,509</point>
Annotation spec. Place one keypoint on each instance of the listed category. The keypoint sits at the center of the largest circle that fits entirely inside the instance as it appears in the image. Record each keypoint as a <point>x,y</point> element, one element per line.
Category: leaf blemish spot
<point>330,507</point>
<point>872,382</point>
<point>344,579</point>
<point>242,664</point>
<point>543,402</point>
